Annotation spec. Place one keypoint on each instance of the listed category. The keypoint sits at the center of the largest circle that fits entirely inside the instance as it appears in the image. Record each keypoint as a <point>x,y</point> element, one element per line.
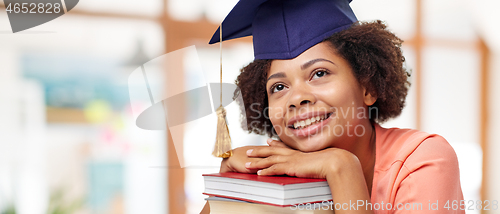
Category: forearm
<point>348,185</point>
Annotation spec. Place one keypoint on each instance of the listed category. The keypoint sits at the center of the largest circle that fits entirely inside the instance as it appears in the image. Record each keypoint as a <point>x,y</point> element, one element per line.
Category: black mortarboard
<point>283,29</point>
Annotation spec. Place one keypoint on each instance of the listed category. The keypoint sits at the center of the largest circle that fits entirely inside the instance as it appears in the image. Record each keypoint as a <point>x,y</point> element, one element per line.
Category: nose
<point>300,96</point>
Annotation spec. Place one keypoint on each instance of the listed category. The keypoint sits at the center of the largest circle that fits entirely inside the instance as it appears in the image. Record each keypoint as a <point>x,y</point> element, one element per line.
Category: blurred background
<point>69,142</point>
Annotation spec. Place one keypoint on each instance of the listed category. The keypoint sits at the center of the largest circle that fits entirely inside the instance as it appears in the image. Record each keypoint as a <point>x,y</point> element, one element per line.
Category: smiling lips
<point>309,123</point>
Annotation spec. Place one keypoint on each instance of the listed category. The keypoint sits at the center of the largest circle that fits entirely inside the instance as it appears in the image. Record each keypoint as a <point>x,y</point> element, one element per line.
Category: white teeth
<point>304,123</point>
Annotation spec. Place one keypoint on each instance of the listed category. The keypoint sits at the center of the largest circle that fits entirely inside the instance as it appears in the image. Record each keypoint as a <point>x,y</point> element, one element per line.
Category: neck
<point>364,149</point>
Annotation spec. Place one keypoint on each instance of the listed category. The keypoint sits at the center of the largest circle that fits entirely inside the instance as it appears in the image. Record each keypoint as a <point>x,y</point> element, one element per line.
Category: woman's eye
<point>319,74</point>
<point>278,88</point>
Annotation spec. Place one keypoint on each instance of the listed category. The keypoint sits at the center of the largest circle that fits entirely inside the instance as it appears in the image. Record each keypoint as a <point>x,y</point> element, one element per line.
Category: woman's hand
<point>236,163</point>
<point>279,159</point>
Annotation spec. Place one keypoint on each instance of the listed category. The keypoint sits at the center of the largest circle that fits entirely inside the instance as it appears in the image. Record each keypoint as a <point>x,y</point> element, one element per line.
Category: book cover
<point>280,180</point>
<point>271,190</point>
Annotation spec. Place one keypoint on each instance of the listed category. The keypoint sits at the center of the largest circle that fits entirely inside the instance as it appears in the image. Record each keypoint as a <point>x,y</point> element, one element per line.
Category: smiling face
<point>315,101</point>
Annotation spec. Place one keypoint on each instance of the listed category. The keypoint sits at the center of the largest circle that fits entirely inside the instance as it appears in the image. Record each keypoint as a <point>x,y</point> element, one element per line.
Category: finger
<point>277,169</point>
<point>266,162</point>
<point>247,171</point>
<point>240,167</point>
<point>276,143</point>
<point>250,171</point>
<point>267,151</point>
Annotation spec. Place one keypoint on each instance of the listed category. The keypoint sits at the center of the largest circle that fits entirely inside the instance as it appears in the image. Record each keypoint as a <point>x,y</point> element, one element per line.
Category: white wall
<point>494,130</point>
<point>22,140</point>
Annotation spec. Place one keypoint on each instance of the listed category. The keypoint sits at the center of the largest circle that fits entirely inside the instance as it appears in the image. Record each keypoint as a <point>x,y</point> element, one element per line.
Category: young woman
<point>325,103</point>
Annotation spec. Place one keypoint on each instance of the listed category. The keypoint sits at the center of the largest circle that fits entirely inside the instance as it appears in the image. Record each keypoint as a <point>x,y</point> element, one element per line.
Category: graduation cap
<point>283,29</point>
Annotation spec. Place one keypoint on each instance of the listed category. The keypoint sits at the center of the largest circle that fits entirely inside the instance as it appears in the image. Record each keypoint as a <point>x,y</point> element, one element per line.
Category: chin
<point>311,144</point>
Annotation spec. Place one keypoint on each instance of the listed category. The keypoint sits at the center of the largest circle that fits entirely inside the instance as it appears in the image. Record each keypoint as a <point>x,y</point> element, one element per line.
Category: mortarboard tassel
<point>223,140</point>
<point>222,146</point>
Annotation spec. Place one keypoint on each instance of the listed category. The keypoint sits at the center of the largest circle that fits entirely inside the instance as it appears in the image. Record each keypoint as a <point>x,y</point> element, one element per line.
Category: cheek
<point>340,94</point>
<point>344,99</point>
<point>335,95</point>
<point>276,114</point>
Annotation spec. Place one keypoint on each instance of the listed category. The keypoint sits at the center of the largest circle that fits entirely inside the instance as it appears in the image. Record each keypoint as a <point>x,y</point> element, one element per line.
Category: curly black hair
<point>375,56</point>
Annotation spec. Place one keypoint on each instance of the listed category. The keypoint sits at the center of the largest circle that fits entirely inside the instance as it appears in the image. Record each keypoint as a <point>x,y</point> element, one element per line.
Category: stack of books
<point>250,193</point>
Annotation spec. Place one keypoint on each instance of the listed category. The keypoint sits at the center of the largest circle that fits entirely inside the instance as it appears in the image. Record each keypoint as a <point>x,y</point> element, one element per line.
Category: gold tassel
<point>222,146</point>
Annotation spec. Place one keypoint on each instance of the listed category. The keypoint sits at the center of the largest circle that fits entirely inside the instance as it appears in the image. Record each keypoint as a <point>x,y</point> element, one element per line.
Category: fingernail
<point>269,140</point>
<point>249,152</point>
<point>247,164</point>
<point>259,172</point>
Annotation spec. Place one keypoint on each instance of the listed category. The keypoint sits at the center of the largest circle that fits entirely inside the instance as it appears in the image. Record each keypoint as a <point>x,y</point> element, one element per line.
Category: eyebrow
<point>277,75</point>
<point>308,64</point>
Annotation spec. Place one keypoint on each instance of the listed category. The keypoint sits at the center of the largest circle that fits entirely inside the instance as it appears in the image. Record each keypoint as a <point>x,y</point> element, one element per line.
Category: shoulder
<point>414,166</point>
<point>433,152</point>
<point>413,149</point>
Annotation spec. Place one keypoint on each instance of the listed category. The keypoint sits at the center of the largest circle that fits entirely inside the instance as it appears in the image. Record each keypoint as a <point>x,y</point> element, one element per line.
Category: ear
<point>369,99</point>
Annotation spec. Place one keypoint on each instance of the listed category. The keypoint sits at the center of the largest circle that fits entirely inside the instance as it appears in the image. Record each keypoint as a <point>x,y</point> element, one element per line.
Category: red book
<point>273,190</point>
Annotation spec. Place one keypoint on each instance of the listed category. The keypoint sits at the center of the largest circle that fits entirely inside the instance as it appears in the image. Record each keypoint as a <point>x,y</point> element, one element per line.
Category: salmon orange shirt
<point>415,172</point>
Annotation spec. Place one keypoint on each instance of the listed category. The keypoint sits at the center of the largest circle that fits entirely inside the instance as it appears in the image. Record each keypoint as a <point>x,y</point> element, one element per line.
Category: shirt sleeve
<point>433,181</point>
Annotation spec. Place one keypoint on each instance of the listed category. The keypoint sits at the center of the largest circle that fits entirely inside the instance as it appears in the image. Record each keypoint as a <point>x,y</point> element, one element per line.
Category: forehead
<point>320,51</point>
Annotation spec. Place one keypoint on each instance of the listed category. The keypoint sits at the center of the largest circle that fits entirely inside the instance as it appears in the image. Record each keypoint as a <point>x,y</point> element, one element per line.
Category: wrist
<point>342,164</point>
<point>224,166</point>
